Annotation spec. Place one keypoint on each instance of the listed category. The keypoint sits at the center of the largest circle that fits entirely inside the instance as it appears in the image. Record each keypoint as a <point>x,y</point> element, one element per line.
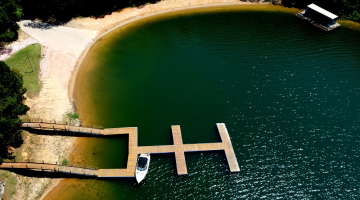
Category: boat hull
<point>142,167</point>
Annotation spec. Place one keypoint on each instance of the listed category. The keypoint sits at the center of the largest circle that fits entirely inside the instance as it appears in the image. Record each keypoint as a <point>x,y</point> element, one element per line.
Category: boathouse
<point>320,15</point>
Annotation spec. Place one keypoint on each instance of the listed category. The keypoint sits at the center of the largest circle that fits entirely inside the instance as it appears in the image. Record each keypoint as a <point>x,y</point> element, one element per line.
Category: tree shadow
<point>40,25</point>
<point>5,50</point>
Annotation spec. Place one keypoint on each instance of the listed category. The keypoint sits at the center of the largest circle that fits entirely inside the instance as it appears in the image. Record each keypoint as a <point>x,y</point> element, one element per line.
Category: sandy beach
<point>63,49</point>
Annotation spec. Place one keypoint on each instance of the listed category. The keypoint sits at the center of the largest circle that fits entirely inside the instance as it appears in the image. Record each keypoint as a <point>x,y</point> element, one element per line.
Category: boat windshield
<point>141,165</point>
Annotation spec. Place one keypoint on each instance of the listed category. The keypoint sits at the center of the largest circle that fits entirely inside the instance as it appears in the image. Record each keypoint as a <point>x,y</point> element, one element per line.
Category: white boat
<point>142,166</point>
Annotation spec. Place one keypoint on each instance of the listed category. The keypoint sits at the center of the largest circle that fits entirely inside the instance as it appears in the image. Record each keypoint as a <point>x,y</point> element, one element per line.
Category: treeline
<point>63,10</point>
<point>11,107</point>
<point>55,11</point>
<point>10,13</point>
<point>60,11</point>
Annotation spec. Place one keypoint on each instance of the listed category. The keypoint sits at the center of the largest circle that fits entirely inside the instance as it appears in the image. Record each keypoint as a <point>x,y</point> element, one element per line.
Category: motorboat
<point>142,166</point>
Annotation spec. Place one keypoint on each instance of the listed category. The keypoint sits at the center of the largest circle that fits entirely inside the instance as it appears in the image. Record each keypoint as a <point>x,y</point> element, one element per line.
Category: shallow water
<point>287,91</point>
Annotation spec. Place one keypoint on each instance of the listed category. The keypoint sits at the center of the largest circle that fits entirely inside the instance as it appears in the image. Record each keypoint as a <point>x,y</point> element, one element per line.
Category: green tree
<point>11,107</point>
<point>10,13</point>
<point>355,16</point>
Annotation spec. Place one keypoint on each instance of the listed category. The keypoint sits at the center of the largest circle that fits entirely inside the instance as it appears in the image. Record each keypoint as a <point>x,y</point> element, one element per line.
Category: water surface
<point>287,91</point>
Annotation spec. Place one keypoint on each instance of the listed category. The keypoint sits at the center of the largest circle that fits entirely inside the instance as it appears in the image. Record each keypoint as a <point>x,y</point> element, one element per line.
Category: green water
<point>287,91</point>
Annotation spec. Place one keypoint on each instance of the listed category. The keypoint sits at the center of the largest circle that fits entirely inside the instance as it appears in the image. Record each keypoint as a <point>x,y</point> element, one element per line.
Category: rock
<point>2,189</point>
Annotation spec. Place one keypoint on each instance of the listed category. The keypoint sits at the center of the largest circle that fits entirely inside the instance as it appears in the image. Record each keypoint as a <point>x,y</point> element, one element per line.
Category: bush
<point>65,162</point>
<point>73,116</point>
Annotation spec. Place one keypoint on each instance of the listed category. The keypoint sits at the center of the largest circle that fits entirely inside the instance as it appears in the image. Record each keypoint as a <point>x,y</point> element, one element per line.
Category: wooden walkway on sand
<point>178,148</point>
<point>50,167</point>
<point>80,129</point>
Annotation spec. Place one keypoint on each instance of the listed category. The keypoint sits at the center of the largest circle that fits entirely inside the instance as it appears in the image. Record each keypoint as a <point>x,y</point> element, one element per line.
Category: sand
<point>64,47</point>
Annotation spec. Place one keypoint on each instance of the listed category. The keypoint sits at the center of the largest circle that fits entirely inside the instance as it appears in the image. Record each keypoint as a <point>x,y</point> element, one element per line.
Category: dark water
<point>287,91</point>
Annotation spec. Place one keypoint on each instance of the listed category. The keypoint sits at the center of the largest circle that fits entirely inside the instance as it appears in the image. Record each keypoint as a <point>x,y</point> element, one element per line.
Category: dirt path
<point>62,47</point>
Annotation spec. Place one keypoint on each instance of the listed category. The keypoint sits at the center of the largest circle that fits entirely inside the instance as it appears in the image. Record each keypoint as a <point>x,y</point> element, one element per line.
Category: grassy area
<point>10,177</point>
<point>25,118</point>
<point>10,185</point>
<point>19,60</point>
<point>17,153</point>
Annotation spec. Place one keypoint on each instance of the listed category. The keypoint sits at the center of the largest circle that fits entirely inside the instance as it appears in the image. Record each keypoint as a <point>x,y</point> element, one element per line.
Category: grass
<point>10,177</point>
<point>65,162</point>
<point>17,152</point>
<point>10,185</point>
<point>70,118</point>
<point>29,150</point>
<point>73,116</point>
<point>20,61</point>
<point>25,118</point>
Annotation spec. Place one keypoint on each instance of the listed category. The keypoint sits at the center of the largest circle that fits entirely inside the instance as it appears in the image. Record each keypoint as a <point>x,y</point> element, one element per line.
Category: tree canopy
<point>11,107</point>
<point>63,10</point>
<point>10,13</point>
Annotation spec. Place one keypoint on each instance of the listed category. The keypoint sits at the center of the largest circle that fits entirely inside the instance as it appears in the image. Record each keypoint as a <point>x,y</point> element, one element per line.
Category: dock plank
<point>232,161</point>
<point>113,173</point>
<point>177,138</point>
<point>180,163</point>
<point>49,167</point>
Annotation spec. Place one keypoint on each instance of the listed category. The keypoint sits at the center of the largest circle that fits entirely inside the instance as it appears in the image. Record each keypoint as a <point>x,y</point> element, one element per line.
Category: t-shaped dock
<point>178,147</point>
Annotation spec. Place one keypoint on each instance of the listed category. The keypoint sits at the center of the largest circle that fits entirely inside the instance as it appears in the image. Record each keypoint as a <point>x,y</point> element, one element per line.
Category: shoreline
<point>72,79</point>
<point>51,189</point>
<point>70,73</point>
<point>132,19</point>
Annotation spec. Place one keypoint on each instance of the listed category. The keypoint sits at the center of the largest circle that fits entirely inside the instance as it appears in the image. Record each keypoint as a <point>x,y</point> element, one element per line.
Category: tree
<point>10,13</point>
<point>355,16</point>
<point>11,107</point>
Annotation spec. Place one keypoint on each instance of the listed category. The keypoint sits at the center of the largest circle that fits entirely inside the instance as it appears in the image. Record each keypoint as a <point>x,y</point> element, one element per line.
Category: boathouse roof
<point>322,11</point>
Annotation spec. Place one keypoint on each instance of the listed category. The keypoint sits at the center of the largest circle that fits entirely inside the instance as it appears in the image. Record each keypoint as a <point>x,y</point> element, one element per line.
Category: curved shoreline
<point>132,19</point>
<point>107,30</point>
<point>50,189</point>
<point>54,97</point>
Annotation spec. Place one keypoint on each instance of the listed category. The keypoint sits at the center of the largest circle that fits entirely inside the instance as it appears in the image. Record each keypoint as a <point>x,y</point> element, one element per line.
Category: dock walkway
<point>178,148</point>
<point>50,167</point>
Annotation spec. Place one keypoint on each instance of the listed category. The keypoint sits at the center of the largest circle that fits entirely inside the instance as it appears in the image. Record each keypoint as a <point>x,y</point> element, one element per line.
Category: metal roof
<point>322,11</point>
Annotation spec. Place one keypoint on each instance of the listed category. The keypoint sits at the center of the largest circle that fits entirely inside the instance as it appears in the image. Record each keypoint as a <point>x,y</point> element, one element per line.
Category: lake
<point>287,91</point>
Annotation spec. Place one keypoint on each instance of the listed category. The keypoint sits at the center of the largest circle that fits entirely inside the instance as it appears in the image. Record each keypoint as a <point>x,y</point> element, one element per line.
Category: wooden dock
<point>178,148</point>
<point>50,167</point>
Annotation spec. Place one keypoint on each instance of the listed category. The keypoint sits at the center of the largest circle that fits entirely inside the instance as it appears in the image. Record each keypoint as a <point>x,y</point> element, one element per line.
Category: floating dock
<point>178,148</point>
